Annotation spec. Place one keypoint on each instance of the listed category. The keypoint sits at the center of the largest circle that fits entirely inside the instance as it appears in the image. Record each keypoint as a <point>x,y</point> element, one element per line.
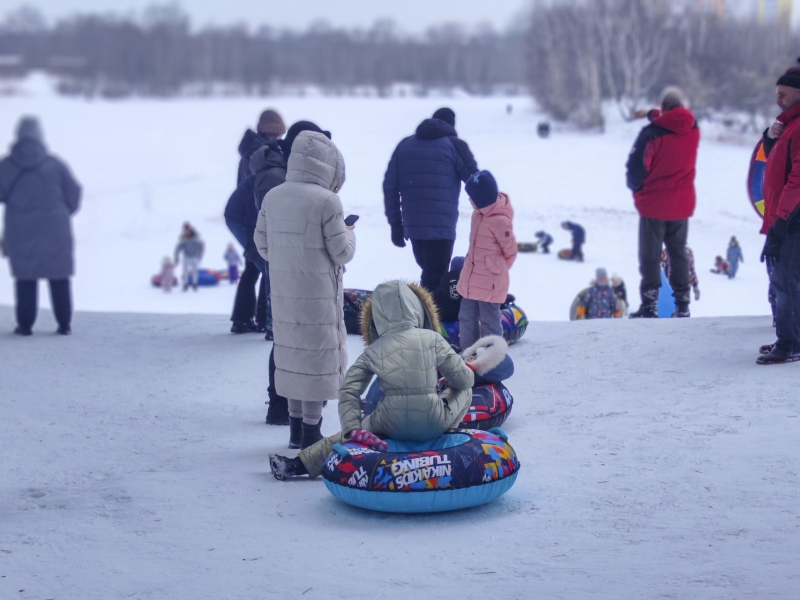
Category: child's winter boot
<point>283,467</point>
<point>311,434</point>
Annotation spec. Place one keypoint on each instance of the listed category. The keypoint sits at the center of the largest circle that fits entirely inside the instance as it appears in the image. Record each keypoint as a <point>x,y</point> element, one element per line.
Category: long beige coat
<point>301,233</point>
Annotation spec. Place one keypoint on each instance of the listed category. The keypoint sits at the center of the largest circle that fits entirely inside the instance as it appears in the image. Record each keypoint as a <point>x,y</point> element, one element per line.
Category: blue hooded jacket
<point>241,216</point>
<point>423,181</point>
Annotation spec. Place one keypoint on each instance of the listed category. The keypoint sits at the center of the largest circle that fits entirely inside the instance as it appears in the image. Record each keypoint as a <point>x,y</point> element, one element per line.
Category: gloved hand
<point>775,235</point>
<point>696,294</point>
<point>368,439</point>
<point>398,238</point>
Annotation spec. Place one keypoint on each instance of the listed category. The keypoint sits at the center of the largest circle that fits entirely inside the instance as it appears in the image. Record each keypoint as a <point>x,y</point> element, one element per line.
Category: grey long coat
<point>301,233</point>
<point>38,232</point>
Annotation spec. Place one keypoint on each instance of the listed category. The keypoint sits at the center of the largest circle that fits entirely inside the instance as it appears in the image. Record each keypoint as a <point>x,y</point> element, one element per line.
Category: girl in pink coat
<point>483,284</point>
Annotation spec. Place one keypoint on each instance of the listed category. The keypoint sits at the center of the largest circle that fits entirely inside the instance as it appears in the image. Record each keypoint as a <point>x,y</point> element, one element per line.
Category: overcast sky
<point>410,15</point>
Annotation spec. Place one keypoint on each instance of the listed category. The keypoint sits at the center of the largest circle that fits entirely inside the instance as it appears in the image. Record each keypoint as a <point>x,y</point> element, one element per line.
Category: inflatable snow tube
<point>514,321</point>
<point>206,278</point>
<point>354,301</point>
<point>565,254</point>
<point>460,469</point>
<point>755,178</point>
<point>491,405</point>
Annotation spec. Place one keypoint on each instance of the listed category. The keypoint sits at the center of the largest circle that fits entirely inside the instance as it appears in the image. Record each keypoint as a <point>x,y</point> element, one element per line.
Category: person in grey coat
<point>40,195</point>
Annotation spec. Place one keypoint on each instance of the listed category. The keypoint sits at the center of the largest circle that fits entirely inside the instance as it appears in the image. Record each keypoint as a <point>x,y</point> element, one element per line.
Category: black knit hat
<point>791,78</point>
<point>286,143</point>
<point>482,189</point>
<point>447,115</point>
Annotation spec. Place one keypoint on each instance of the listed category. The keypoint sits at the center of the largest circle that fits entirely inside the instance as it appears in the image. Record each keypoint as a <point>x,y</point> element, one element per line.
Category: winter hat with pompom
<point>791,78</point>
<point>482,189</point>
<point>447,115</point>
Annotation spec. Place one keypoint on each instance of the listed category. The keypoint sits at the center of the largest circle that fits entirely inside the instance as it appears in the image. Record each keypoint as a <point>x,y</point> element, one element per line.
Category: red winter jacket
<point>661,166</point>
<point>782,178</point>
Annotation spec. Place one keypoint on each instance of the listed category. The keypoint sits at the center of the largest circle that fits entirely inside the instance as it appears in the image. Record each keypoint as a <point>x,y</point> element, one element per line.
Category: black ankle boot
<point>278,411</point>
<point>283,467</point>
<point>295,432</point>
<point>311,434</point>
<point>646,311</point>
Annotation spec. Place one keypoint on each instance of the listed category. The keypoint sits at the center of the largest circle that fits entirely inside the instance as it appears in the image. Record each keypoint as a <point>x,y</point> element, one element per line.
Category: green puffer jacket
<point>404,350</point>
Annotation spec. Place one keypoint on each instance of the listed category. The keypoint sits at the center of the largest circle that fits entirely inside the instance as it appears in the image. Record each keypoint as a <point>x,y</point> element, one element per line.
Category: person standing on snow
<point>270,128</point>
<point>421,189</point>
<point>192,248</point>
<point>302,234</point>
<point>233,260</point>
<point>41,196</point>
<point>483,284</point>
<point>782,220</point>
<point>578,239</point>
<point>660,173</point>
<point>734,256</point>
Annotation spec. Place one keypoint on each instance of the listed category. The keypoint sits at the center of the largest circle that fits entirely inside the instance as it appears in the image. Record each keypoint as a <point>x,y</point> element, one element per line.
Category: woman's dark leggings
<point>27,302</point>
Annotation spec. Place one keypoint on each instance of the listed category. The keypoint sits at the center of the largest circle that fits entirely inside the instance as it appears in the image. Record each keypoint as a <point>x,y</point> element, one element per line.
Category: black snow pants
<point>245,306</point>
<point>433,257</point>
<point>654,234</point>
<point>28,302</point>
<point>786,284</point>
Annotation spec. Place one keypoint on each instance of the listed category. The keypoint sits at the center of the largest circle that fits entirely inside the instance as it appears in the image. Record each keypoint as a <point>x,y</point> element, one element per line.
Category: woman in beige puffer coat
<point>302,234</point>
<point>405,351</point>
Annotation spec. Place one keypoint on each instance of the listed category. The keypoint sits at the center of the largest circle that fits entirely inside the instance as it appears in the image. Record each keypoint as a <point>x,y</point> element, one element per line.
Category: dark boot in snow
<point>64,330</point>
<point>681,311</point>
<point>243,326</point>
<point>649,306</point>
<point>766,348</point>
<point>278,411</point>
<point>295,432</point>
<point>777,357</point>
<point>311,434</point>
<point>283,467</point>
<point>23,332</point>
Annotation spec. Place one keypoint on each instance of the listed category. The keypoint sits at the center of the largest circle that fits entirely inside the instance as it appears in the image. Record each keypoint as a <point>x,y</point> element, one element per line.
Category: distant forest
<point>159,54</point>
<point>573,56</point>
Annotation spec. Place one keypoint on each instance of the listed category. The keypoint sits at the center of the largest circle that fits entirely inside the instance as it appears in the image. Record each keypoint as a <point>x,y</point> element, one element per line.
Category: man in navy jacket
<point>421,190</point>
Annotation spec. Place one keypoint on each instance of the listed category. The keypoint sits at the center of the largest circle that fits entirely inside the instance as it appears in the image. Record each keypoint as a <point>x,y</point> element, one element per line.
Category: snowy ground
<point>148,165</point>
<point>658,461</point>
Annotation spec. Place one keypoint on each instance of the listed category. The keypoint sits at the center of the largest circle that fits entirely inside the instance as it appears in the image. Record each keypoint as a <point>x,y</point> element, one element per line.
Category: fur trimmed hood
<point>486,354</point>
<point>398,305</point>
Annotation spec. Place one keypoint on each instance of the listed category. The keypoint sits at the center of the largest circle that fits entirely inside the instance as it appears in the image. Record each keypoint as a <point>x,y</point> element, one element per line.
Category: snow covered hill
<point>657,461</point>
<point>148,165</point>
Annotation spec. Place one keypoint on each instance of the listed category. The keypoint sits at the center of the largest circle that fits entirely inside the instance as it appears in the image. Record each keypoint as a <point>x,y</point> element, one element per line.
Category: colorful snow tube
<point>755,178</point>
<point>460,469</point>
<point>491,405</point>
<point>515,324</point>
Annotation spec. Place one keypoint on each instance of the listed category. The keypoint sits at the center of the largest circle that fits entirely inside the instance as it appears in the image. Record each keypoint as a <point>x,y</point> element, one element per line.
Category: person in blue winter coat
<point>578,239</point>
<point>421,190</point>
<point>734,256</point>
<point>544,240</point>
<point>600,301</point>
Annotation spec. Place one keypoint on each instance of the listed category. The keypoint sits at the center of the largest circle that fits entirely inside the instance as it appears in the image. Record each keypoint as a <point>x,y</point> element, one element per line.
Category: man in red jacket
<point>782,220</point>
<point>660,173</point>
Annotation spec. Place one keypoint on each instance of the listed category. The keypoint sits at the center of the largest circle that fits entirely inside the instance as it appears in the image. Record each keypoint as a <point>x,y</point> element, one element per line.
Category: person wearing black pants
<point>246,306</point>
<point>653,235</point>
<point>433,257</point>
<point>28,302</point>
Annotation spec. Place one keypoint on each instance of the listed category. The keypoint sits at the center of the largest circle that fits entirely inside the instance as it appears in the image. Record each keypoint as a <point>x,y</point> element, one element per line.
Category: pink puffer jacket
<point>492,250</point>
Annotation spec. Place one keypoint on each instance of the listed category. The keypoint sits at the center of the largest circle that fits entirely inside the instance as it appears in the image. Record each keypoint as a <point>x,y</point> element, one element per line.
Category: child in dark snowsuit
<point>578,239</point>
<point>734,256</point>
<point>544,241</point>
<point>446,296</point>
<point>600,301</point>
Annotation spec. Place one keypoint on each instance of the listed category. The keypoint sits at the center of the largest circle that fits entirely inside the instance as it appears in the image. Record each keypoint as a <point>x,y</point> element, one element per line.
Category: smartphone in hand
<point>351,220</point>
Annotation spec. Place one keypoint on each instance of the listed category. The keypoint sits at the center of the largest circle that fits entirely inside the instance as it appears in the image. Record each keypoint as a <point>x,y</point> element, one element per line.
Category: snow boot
<point>283,467</point>
<point>268,336</point>
<point>681,311</point>
<point>243,327</point>
<point>278,411</point>
<point>311,434</point>
<point>766,348</point>
<point>23,332</point>
<point>777,357</point>
<point>295,432</point>
<point>649,306</point>
<point>64,330</point>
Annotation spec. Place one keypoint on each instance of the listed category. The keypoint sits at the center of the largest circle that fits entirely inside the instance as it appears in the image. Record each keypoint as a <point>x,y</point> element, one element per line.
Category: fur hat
<point>791,78</point>
<point>28,128</point>
<point>270,124</point>
<point>447,115</point>
<point>482,189</point>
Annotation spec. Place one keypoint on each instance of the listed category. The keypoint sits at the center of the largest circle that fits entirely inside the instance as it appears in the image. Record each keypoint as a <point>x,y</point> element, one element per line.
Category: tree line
<point>583,54</point>
<point>159,54</point>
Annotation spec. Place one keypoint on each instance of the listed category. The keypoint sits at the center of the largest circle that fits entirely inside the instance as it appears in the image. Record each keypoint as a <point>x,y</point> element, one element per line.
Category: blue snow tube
<point>460,469</point>
<point>666,302</point>
<point>514,323</point>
